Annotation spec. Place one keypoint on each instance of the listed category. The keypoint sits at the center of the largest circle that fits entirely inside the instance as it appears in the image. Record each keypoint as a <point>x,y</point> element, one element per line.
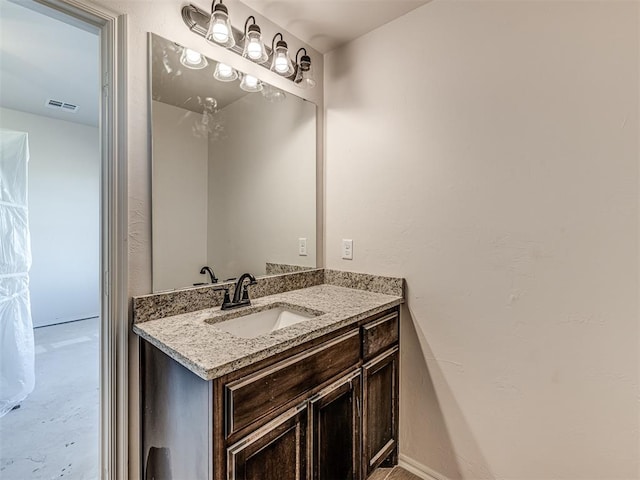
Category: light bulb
<point>220,31</point>
<point>250,83</point>
<point>225,73</point>
<point>281,63</point>
<point>192,59</point>
<point>225,70</point>
<point>193,56</point>
<point>254,49</point>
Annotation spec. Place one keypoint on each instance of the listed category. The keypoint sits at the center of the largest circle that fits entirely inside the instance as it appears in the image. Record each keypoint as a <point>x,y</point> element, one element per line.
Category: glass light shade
<point>254,48</point>
<point>192,59</point>
<point>225,73</point>
<point>304,75</point>
<point>219,30</point>
<point>273,94</point>
<point>250,83</point>
<point>281,62</point>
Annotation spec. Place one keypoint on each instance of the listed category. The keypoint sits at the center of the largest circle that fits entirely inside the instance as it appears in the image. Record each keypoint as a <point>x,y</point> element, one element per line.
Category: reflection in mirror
<point>234,172</point>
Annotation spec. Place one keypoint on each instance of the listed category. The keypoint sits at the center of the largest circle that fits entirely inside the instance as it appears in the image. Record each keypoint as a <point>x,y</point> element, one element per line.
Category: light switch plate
<point>302,247</point>
<point>347,249</point>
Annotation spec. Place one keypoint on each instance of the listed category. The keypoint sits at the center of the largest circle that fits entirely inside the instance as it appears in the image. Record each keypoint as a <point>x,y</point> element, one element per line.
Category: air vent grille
<point>59,105</point>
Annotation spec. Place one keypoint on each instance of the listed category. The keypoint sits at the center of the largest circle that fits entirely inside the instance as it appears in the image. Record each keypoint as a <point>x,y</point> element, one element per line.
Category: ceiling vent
<point>58,105</point>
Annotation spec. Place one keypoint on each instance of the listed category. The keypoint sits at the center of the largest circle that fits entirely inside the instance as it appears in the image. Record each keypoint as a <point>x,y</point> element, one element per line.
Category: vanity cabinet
<point>323,410</point>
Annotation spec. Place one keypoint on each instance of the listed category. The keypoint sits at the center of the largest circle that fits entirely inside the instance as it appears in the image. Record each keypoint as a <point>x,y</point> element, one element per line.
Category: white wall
<point>262,186</point>
<point>180,198</point>
<point>64,216</point>
<point>488,152</point>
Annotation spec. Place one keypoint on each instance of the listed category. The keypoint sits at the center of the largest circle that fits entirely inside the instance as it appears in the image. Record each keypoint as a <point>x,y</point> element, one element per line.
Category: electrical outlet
<point>347,249</point>
<point>302,247</point>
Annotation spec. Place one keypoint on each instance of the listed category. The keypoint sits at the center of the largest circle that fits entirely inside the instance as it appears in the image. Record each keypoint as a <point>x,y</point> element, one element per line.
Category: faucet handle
<point>227,298</point>
<point>245,287</point>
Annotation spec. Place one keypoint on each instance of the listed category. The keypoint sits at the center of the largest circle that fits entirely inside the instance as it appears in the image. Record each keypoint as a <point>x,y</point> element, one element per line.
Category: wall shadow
<point>433,428</point>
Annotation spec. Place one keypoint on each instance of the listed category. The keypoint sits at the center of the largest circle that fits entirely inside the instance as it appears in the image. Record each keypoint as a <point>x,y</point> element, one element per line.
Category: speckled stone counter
<point>280,268</point>
<point>193,339</point>
<point>184,300</point>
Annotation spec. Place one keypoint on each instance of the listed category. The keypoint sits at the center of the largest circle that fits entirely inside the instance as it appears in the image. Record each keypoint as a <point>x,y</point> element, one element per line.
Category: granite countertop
<point>193,340</point>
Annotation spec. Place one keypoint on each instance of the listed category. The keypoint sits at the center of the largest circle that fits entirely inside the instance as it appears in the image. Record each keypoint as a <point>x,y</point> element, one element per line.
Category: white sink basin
<point>261,323</point>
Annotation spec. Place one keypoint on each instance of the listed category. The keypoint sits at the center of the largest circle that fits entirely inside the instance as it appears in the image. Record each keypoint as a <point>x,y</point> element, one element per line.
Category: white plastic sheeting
<point>17,376</point>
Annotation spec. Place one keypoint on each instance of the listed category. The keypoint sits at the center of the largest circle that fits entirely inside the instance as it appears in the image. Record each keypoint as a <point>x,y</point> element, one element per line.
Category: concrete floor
<point>55,432</point>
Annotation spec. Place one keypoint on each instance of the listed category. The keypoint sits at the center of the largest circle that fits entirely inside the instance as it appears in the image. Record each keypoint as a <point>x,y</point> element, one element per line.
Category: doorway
<point>51,96</point>
<point>70,422</point>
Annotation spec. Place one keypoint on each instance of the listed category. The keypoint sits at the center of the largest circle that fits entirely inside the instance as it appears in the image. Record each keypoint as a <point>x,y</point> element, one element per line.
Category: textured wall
<point>488,152</point>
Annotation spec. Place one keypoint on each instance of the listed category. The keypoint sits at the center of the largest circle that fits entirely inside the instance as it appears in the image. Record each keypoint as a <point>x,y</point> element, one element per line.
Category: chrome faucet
<point>240,293</point>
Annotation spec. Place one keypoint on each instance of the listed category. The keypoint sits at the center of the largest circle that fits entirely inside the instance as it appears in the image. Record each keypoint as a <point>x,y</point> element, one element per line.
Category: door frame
<point>114,325</point>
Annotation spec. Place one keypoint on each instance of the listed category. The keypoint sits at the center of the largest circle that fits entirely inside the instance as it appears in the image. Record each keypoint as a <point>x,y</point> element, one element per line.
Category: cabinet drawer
<point>254,396</point>
<point>378,335</point>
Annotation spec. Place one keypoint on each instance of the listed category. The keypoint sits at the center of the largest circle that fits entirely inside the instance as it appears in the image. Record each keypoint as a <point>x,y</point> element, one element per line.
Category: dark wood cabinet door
<point>334,419</point>
<point>276,451</point>
<point>380,410</point>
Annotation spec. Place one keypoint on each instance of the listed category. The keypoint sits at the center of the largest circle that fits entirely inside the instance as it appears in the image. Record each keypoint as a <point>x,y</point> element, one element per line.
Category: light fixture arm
<point>246,23</point>
<point>273,41</point>
<point>298,53</point>
<point>213,4</point>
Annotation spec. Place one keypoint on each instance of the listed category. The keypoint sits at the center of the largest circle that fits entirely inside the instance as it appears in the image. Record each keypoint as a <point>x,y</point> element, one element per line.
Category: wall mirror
<point>234,172</point>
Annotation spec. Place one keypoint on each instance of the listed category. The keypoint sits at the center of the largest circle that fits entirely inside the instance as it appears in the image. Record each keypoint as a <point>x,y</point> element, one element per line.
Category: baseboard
<point>422,471</point>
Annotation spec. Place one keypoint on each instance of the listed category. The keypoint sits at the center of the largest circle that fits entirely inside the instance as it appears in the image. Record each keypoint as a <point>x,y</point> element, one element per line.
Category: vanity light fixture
<point>254,48</point>
<point>249,83</point>
<point>304,71</point>
<point>216,28</point>
<point>281,63</point>
<point>225,73</point>
<point>220,30</point>
<point>192,59</point>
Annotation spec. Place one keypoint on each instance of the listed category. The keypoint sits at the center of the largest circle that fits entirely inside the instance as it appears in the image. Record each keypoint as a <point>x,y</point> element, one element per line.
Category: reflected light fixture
<point>273,94</point>
<point>225,73</point>
<point>192,59</point>
<point>220,30</point>
<point>249,83</point>
<point>254,48</point>
<point>304,71</point>
<point>281,63</point>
